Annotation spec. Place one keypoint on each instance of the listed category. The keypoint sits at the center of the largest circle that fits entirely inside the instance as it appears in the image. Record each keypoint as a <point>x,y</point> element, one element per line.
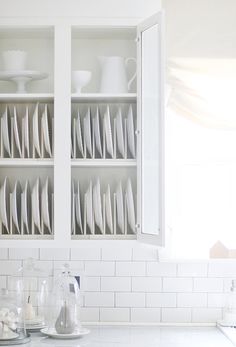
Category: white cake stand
<point>21,78</point>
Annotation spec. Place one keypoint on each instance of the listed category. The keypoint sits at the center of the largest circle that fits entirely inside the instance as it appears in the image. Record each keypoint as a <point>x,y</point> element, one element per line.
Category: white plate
<point>54,334</point>
<point>79,134</point>
<point>45,199</point>
<point>120,208</point>
<point>47,133</point>
<point>130,132</point>
<point>120,133</point>
<point>4,203</point>
<point>73,207</point>
<point>108,132</point>
<point>36,205</point>
<point>78,209</point>
<point>36,135</point>
<point>6,130</point>
<point>97,132</point>
<point>130,205</point>
<point>109,209</point>
<point>16,205</point>
<point>97,205</point>
<point>26,205</point>
<point>89,207</point>
<point>26,132</point>
<point>10,336</point>
<point>87,133</point>
<point>17,133</point>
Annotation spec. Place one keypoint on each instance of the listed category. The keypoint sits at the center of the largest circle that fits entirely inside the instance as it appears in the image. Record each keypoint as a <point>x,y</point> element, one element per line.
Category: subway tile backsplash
<point>129,285</point>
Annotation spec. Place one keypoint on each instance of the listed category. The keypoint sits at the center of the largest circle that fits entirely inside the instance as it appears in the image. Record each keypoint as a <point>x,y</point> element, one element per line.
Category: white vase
<point>113,75</point>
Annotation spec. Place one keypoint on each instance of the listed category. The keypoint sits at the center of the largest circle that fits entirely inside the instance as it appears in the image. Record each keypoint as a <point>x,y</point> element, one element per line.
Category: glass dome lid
<point>12,328</point>
<point>64,305</point>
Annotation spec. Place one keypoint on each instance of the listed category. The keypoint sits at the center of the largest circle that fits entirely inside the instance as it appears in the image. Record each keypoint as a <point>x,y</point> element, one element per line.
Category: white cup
<point>14,60</point>
<point>80,79</point>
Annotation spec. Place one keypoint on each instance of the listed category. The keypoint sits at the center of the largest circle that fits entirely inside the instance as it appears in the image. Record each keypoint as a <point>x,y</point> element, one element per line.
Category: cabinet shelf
<point>26,162</point>
<point>103,163</point>
<point>98,97</point>
<point>34,97</point>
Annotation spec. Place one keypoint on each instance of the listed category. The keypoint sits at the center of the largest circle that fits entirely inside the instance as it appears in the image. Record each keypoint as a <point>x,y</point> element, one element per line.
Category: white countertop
<point>139,336</point>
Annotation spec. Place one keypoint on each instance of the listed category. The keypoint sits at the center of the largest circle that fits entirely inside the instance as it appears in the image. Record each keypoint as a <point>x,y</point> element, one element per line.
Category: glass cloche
<point>64,307</point>
<point>12,327</point>
<point>31,283</point>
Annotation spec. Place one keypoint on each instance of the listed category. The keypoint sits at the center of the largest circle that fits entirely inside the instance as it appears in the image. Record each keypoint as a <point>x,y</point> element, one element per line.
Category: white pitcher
<point>113,75</point>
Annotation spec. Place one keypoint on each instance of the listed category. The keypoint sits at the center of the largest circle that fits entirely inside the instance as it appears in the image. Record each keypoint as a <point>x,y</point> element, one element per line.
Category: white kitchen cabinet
<point>58,48</point>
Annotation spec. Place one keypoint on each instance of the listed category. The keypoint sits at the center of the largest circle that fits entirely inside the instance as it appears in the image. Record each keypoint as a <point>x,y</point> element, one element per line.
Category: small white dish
<point>6,130</point>
<point>87,132</point>
<point>52,333</point>
<point>78,208</point>
<point>120,208</point>
<point>80,79</point>
<point>16,205</point>
<point>97,132</point>
<point>97,205</point>
<point>130,132</point>
<point>26,132</point>
<point>45,199</point>
<point>73,207</point>
<point>89,207</point>
<point>108,132</point>
<point>47,132</point>
<point>36,205</point>
<point>130,205</point>
<point>36,134</point>
<point>120,133</point>
<point>4,203</point>
<point>26,205</point>
<point>79,134</point>
<point>17,132</point>
<point>108,208</point>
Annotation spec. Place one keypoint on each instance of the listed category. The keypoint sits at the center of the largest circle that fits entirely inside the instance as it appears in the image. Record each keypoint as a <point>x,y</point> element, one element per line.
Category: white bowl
<point>80,79</point>
<point>14,60</point>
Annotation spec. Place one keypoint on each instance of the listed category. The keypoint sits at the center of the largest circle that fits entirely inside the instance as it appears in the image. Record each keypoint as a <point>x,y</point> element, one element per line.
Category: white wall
<point>79,8</point>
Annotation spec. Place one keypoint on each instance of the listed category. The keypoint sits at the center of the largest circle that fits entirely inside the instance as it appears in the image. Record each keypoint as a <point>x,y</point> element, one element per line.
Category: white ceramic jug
<point>113,74</point>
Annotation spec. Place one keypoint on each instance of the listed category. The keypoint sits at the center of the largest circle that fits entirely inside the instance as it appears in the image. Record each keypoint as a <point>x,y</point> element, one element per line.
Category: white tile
<point>91,284</point>
<point>100,299</point>
<point>23,253</point>
<point>130,269</point>
<point>161,269</point>
<point>161,300</point>
<point>145,253</point>
<point>86,253</point>
<point>217,299</point>
<point>116,284</point>
<point>192,269</point>
<point>206,315</point>
<point>55,254</point>
<point>175,285</point>
<point>192,300</point>
<point>176,315</point>
<point>3,253</point>
<point>89,314</point>
<point>146,284</point>
<point>9,267</point>
<point>130,299</point>
<point>3,281</point>
<point>117,253</point>
<point>102,268</point>
<point>114,314</point>
<point>225,268</point>
<point>145,315</point>
<point>208,285</point>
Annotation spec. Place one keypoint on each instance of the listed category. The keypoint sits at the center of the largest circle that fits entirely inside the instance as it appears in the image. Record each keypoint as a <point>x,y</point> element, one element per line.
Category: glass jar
<point>64,305</point>
<point>12,327</point>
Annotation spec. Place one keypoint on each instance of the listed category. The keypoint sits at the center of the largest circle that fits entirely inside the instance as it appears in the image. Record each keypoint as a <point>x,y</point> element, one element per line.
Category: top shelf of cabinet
<point>34,97</point>
<point>109,98</point>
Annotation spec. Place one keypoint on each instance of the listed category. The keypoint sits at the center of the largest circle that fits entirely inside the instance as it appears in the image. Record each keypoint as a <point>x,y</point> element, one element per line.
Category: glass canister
<point>64,305</point>
<point>32,285</point>
<point>12,327</point>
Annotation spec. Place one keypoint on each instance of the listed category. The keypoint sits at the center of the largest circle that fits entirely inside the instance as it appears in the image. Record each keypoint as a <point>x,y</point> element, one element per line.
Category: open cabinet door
<point>150,126</point>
